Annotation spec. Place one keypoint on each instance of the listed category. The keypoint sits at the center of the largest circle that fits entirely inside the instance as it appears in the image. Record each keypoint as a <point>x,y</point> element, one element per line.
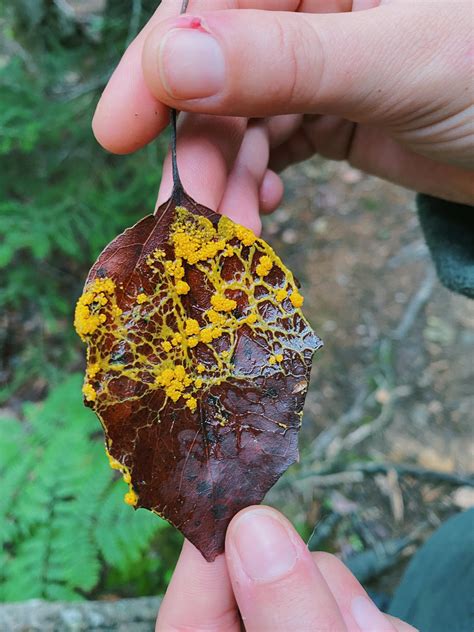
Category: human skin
<point>387,86</point>
<point>384,85</point>
<point>268,579</point>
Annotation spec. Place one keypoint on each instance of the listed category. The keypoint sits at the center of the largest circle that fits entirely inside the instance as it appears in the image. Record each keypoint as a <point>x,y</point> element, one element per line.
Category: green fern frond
<point>62,513</point>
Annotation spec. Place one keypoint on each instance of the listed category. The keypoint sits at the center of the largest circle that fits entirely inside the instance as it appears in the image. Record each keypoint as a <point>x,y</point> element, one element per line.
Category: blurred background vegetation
<point>385,445</point>
<point>64,531</point>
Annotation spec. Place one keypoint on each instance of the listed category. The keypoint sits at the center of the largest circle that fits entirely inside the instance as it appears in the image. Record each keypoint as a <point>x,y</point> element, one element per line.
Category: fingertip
<point>275,582</point>
<point>263,543</point>
<point>199,595</point>
<point>127,115</point>
<point>271,192</point>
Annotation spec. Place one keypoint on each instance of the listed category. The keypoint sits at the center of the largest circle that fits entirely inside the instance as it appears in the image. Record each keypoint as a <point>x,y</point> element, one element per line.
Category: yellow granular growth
<point>215,318</point>
<point>195,238</point>
<point>251,319</point>
<point>216,332</point>
<point>226,228</point>
<point>142,298</point>
<point>175,268</point>
<point>130,498</point>
<point>87,316</point>
<point>89,392</point>
<point>192,327</point>
<point>281,295</point>
<point>182,287</point>
<point>222,304</point>
<point>206,335</point>
<point>198,382</point>
<point>193,341</point>
<point>191,403</point>
<point>93,369</point>
<point>264,266</point>
<point>174,381</point>
<point>166,345</point>
<point>245,235</point>
<point>176,340</point>
<point>200,368</point>
<point>275,358</point>
<point>296,299</point>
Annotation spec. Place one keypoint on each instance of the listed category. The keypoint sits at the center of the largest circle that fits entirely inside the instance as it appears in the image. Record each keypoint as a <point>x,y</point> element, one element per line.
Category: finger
<point>275,581</point>
<point>359,65</point>
<point>128,116</point>
<point>241,198</point>
<point>329,136</point>
<point>199,596</point>
<point>358,610</point>
<point>377,153</point>
<point>271,192</point>
<point>373,151</point>
<point>207,149</point>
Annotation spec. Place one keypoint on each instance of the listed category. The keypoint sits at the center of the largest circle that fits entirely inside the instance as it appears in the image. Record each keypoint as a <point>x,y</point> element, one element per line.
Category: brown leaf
<point>198,365</point>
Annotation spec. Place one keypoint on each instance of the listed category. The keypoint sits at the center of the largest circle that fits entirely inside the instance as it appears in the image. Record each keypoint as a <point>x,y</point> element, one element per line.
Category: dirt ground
<point>394,382</point>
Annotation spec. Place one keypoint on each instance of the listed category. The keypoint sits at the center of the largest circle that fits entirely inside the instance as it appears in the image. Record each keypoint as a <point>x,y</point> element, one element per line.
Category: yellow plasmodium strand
<point>131,497</point>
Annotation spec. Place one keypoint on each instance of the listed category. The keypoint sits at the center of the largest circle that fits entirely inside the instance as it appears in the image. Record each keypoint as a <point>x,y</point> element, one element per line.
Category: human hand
<point>268,577</point>
<point>387,88</point>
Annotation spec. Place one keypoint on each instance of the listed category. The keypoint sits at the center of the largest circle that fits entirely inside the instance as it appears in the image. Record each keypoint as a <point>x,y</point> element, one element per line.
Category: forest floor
<point>393,384</point>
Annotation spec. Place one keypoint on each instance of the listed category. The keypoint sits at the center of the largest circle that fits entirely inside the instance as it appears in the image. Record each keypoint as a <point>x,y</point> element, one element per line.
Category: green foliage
<point>64,528</point>
<point>62,197</point>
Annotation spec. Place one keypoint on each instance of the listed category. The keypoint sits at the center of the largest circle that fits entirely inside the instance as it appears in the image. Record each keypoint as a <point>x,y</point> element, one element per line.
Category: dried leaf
<point>198,364</point>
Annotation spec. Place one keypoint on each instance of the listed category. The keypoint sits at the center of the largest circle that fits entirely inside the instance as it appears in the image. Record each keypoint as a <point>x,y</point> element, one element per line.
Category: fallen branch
<point>417,302</point>
<point>400,468</point>
<point>122,615</point>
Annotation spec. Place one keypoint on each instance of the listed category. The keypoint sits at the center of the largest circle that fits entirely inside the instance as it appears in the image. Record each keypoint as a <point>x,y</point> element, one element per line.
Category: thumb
<point>366,66</point>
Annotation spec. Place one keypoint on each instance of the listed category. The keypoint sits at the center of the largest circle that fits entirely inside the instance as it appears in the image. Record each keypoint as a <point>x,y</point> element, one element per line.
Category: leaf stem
<point>177,184</point>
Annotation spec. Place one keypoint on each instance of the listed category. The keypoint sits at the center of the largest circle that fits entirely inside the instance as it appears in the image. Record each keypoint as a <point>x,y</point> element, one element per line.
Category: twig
<point>360,434</point>
<point>415,251</point>
<point>384,555</point>
<point>402,469</point>
<point>417,302</point>
<point>323,530</point>
<point>338,478</point>
<point>350,417</point>
<point>364,431</point>
<point>388,484</point>
<point>134,20</point>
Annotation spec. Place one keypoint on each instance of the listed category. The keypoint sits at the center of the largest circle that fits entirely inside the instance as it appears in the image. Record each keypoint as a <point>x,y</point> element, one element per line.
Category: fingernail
<point>263,545</point>
<point>191,64</point>
<point>367,616</point>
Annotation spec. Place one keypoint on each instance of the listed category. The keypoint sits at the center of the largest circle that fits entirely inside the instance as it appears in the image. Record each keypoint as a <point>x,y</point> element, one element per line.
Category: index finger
<point>199,596</point>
